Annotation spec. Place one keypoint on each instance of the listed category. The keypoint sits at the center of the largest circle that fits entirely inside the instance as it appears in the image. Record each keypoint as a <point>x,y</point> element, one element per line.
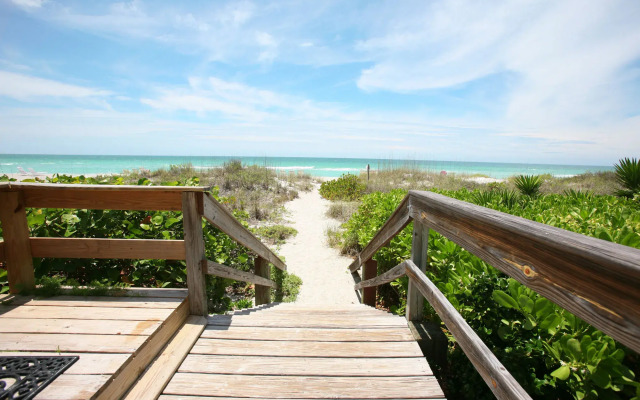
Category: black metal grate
<point>22,377</point>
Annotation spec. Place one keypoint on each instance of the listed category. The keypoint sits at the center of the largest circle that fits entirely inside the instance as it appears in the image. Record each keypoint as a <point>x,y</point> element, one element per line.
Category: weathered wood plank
<point>144,249</point>
<point>389,276</point>
<point>77,326</point>
<point>396,223</point>
<point>194,252</point>
<point>341,323</point>
<point>369,271</point>
<point>232,273</point>
<point>592,278</point>
<point>419,245</point>
<point>305,366</point>
<point>308,334</point>
<point>87,364</point>
<point>495,375</point>
<point>304,387</point>
<point>73,387</point>
<point>97,301</point>
<point>219,216</point>
<point>263,292</point>
<point>120,382</point>
<point>152,383</point>
<point>86,313</point>
<point>70,343</point>
<point>149,292</point>
<point>15,231</point>
<point>305,349</point>
<point>114,197</point>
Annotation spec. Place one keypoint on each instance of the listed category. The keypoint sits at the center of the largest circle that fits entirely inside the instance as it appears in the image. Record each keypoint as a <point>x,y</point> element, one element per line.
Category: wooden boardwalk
<point>289,351</point>
<point>115,337</point>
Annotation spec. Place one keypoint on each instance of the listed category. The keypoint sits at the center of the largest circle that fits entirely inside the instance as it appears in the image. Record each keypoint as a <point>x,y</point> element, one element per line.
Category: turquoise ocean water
<point>325,167</point>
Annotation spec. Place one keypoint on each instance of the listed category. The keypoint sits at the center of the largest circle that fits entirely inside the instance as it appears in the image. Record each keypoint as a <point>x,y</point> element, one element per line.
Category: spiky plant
<point>528,185</point>
<point>628,176</point>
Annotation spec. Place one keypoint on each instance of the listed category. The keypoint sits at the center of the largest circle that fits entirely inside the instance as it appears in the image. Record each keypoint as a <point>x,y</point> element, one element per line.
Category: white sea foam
<point>292,168</point>
<point>8,163</point>
<point>565,176</point>
<point>341,169</point>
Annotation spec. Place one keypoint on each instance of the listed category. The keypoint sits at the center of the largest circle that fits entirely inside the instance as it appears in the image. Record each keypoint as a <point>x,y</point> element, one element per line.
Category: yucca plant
<point>528,185</point>
<point>628,176</point>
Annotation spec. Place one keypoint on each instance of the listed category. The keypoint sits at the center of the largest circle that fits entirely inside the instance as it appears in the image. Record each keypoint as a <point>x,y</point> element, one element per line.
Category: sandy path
<point>323,270</point>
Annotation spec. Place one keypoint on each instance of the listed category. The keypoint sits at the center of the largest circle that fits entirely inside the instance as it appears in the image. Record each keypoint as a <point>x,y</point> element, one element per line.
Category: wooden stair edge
<point>128,373</point>
<point>155,378</point>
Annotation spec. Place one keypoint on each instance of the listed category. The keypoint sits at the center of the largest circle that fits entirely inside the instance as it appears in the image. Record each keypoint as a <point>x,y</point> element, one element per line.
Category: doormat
<point>22,377</point>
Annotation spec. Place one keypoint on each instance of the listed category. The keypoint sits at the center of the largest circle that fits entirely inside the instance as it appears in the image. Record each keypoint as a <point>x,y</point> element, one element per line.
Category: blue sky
<point>544,81</point>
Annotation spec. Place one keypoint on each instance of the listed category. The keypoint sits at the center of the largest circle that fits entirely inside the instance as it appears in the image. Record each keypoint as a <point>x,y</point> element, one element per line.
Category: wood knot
<point>494,383</point>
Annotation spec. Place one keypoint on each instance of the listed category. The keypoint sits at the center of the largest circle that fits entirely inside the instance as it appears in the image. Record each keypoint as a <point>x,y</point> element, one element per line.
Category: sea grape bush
<point>348,187</point>
<point>551,352</point>
<point>118,224</point>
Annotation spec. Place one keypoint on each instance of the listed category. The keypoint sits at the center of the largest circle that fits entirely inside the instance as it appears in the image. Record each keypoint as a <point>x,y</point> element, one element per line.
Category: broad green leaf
<point>504,299</point>
<point>562,373</point>
<point>573,348</point>
<point>601,378</point>
<point>526,304</point>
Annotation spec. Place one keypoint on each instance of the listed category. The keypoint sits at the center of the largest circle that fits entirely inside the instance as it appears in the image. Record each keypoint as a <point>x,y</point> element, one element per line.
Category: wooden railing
<point>594,279</point>
<point>18,248</point>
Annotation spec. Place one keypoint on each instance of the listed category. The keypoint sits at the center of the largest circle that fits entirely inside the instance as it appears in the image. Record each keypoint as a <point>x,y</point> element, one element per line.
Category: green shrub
<point>348,187</point>
<point>534,338</point>
<point>288,285</point>
<point>528,185</point>
<point>628,175</point>
<point>275,234</point>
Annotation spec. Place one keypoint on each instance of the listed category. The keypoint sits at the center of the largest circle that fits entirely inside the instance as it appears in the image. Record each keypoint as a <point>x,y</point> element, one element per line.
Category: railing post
<point>192,210</point>
<point>15,230</point>
<point>369,271</point>
<point>419,246</point>
<point>263,293</point>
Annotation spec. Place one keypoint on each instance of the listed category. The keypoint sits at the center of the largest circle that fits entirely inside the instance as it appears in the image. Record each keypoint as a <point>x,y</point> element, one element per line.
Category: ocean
<point>321,167</point>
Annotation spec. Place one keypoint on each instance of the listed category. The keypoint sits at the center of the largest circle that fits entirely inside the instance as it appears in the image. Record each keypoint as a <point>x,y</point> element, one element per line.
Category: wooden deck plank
<point>72,387</point>
<point>305,366</point>
<point>99,301</point>
<point>306,349</point>
<point>87,364</point>
<point>303,387</point>
<point>84,313</point>
<point>78,326</point>
<point>393,334</point>
<point>307,322</point>
<point>71,343</point>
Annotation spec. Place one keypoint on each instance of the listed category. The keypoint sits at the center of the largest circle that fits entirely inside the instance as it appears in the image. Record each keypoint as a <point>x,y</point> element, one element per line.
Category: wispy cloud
<point>25,87</point>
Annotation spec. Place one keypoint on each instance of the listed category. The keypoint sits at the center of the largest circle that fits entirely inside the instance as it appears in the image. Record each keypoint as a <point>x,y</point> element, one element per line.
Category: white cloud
<point>29,4</point>
<point>24,87</point>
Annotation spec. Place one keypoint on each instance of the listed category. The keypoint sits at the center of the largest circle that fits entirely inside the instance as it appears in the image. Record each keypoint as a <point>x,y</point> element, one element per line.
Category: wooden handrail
<point>499,380</point>
<point>102,197</point>
<point>135,249</point>
<point>224,271</point>
<point>218,215</point>
<point>592,278</point>
<point>394,225</point>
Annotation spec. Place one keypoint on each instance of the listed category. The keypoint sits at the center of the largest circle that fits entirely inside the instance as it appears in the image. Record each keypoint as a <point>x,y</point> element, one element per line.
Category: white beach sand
<point>324,273</point>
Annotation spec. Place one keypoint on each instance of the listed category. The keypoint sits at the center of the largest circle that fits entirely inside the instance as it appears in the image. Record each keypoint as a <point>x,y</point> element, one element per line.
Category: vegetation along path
<point>323,270</point>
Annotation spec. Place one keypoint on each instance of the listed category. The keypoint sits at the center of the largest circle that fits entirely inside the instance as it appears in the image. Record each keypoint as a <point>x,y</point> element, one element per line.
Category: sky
<point>540,81</point>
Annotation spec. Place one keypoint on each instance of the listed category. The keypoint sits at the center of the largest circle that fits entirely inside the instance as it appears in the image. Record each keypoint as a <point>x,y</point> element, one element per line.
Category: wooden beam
<point>219,216</point>
<point>129,372</point>
<point>224,271</point>
<point>194,252</point>
<point>263,293</point>
<point>155,379</point>
<point>396,223</point>
<point>389,276</point>
<point>499,380</point>
<point>15,230</point>
<point>103,197</point>
<point>141,249</point>
<point>596,280</point>
<point>2,258</point>
<point>369,271</point>
<point>415,300</point>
